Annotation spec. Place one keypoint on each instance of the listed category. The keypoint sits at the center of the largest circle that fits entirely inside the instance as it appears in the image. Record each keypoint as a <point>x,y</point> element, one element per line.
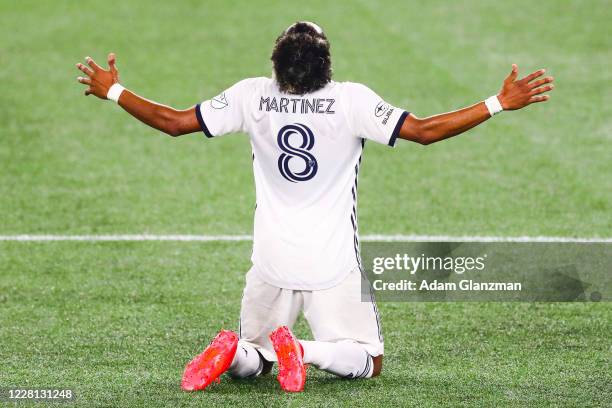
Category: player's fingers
<point>513,73</point>
<point>93,64</point>
<point>542,89</point>
<point>85,69</point>
<point>540,98</point>
<point>541,82</point>
<point>85,81</point>
<point>534,75</point>
<point>112,60</point>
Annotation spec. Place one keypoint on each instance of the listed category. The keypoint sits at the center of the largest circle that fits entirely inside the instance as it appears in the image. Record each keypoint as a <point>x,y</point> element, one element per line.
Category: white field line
<point>364,238</point>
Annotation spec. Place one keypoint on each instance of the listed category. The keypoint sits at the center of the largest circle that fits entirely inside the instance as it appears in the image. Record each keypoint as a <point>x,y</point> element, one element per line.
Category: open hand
<point>516,94</point>
<point>98,79</point>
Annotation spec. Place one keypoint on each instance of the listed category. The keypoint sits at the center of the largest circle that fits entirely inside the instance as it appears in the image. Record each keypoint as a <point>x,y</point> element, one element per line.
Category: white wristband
<point>114,92</point>
<point>493,105</point>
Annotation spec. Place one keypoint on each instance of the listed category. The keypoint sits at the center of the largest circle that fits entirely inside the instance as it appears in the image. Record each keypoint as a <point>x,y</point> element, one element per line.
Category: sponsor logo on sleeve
<point>219,101</point>
<point>383,110</point>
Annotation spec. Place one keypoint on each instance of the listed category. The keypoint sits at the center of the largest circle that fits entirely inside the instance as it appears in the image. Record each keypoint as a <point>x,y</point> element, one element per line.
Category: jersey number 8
<point>296,152</point>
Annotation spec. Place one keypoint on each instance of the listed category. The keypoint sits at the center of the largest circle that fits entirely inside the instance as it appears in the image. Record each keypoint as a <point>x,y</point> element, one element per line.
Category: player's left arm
<point>515,94</point>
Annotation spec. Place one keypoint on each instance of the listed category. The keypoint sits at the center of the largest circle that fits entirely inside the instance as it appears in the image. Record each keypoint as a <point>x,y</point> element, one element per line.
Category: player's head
<point>301,59</point>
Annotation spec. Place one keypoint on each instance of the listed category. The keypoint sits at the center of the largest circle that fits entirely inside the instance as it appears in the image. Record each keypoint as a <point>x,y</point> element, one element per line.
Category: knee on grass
<point>378,365</point>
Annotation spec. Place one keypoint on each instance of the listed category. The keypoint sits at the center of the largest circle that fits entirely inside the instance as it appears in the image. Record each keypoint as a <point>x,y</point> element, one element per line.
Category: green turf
<point>118,321</point>
<point>72,164</point>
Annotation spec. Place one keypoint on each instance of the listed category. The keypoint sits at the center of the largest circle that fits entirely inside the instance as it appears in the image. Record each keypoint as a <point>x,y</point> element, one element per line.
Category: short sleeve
<point>224,113</point>
<point>371,117</point>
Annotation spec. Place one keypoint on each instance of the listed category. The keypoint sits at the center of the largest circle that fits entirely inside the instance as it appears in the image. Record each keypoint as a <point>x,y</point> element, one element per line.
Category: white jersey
<point>306,155</point>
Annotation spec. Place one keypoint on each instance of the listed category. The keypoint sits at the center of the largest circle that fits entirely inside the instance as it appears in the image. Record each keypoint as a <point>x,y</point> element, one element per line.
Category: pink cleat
<point>289,352</point>
<point>211,363</point>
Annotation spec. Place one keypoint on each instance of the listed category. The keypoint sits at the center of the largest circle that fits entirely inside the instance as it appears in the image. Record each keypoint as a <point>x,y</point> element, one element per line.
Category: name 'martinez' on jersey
<point>297,105</point>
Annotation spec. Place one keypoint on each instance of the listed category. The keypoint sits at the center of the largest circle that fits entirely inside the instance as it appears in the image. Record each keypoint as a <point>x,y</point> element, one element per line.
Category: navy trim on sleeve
<point>201,121</point>
<point>397,128</point>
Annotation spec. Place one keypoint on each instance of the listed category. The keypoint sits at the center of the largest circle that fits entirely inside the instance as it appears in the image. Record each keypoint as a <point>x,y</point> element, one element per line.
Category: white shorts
<point>334,314</point>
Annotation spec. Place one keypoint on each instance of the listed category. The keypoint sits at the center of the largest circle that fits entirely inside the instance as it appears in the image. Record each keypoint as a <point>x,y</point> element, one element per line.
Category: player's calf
<point>346,359</point>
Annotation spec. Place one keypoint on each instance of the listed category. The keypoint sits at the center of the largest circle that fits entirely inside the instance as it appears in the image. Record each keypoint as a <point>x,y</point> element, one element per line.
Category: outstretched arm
<point>515,94</point>
<point>169,120</point>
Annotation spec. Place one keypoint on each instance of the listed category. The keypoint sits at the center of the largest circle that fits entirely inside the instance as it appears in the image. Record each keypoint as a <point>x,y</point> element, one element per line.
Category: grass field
<point>118,321</point>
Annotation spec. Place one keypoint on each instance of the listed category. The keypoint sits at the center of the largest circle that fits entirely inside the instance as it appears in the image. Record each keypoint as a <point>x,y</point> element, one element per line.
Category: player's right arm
<point>172,121</point>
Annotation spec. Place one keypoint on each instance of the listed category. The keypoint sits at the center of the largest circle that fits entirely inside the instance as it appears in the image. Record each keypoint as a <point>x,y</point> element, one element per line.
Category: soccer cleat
<point>211,363</point>
<point>289,352</point>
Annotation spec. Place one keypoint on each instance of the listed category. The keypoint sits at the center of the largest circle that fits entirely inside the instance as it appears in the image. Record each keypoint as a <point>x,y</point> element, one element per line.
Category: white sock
<point>344,358</point>
<point>246,363</point>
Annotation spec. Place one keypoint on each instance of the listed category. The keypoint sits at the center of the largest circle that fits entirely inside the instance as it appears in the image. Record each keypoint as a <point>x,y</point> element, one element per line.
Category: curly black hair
<point>301,59</point>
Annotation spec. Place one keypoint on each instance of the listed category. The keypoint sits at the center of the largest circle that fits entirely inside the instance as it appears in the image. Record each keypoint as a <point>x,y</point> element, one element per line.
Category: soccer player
<point>307,134</point>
